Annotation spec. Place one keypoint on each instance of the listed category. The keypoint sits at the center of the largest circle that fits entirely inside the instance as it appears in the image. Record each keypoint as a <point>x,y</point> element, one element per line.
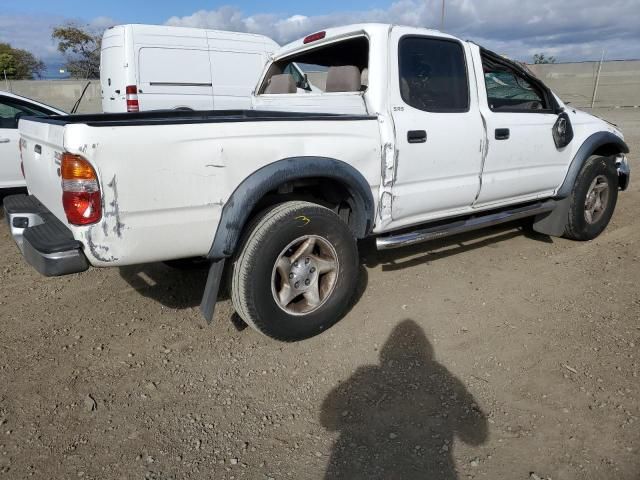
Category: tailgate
<point>42,145</point>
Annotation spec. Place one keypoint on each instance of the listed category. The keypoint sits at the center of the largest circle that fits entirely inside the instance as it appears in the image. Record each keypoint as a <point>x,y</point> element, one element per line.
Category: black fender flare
<point>590,145</point>
<point>236,210</point>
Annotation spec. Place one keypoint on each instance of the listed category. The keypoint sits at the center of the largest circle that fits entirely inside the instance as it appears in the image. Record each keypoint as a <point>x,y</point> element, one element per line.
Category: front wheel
<point>593,199</point>
<point>296,271</point>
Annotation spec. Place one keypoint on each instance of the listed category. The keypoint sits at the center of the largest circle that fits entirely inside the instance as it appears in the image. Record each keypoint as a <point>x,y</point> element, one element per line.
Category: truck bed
<point>165,176</point>
<point>173,117</point>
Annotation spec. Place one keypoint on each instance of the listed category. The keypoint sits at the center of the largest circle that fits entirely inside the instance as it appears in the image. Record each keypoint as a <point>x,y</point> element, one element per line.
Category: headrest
<point>343,79</point>
<point>283,83</point>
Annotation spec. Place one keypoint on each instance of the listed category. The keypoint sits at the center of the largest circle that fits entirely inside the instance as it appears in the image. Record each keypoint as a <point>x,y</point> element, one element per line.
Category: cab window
<point>509,91</point>
<point>334,68</point>
<point>11,111</point>
<point>433,74</point>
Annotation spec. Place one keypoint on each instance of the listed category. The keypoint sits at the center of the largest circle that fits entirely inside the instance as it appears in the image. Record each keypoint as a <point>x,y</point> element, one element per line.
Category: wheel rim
<point>304,275</point>
<point>597,199</point>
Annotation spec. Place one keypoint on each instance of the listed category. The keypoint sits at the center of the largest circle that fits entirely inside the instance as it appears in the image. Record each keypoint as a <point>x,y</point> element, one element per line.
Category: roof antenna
<point>442,17</point>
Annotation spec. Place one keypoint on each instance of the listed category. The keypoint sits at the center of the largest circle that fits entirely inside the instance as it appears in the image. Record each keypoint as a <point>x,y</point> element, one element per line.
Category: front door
<point>522,159</point>
<point>439,131</point>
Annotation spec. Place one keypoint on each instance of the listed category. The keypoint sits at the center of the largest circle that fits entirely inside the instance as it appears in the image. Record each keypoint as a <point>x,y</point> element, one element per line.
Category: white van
<point>151,67</point>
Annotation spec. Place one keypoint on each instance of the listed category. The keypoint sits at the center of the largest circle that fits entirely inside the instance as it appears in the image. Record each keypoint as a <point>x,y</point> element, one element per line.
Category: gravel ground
<point>497,355</point>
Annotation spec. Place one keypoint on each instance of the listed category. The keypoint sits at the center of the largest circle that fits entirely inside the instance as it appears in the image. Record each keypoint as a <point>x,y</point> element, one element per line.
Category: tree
<point>19,64</point>
<point>81,47</point>
<point>542,58</point>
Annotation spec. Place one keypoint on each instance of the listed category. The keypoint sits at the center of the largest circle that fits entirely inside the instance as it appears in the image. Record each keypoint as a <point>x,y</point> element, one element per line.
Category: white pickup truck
<point>407,135</point>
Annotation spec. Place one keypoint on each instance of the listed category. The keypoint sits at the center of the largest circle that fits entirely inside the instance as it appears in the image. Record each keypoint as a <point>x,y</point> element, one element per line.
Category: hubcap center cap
<point>302,274</point>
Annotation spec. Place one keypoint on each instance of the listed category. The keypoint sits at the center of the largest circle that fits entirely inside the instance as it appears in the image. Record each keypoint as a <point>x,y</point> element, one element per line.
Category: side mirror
<point>562,131</point>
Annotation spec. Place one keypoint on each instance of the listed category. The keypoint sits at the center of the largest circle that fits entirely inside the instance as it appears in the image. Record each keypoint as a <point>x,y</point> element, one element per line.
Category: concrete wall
<point>573,82</point>
<point>59,93</point>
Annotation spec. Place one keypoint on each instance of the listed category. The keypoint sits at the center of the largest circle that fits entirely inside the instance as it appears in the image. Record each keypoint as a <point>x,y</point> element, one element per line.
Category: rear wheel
<point>592,200</point>
<point>295,272</point>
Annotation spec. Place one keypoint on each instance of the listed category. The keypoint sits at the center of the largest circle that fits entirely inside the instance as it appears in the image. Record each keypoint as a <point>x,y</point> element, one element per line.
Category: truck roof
<point>369,29</point>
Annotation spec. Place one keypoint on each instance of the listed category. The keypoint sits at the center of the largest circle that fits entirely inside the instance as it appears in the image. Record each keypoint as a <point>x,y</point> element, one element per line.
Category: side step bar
<point>464,225</point>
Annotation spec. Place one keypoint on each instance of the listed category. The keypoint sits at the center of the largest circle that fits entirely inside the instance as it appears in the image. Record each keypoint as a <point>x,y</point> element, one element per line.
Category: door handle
<point>416,136</point>
<point>502,133</point>
<point>5,140</point>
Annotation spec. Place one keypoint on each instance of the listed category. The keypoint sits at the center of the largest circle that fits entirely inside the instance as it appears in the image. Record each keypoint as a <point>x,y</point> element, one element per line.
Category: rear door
<point>235,75</point>
<point>112,71</point>
<point>439,131</point>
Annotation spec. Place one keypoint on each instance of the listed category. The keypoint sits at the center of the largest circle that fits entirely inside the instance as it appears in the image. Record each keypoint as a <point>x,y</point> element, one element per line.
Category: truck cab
<point>464,129</point>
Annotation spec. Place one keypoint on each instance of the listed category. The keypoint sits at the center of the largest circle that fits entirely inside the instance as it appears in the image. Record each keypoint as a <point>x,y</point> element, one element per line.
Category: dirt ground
<point>497,355</point>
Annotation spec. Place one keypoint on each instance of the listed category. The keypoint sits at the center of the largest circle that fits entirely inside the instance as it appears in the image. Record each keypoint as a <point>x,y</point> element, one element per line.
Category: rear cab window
<point>433,74</point>
<point>337,67</point>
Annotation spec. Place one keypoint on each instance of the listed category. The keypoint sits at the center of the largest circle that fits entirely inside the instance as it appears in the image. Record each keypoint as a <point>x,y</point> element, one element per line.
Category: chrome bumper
<point>45,242</point>
<point>624,171</point>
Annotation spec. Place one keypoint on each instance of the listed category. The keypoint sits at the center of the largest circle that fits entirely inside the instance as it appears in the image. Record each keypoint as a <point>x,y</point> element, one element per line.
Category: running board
<point>464,225</point>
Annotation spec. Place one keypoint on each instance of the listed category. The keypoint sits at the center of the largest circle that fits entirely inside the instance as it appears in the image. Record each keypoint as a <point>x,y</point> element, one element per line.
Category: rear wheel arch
<point>274,181</point>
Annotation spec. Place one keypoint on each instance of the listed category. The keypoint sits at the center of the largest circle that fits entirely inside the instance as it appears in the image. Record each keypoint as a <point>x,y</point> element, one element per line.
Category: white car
<point>411,135</point>
<point>12,107</point>
<point>154,67</point>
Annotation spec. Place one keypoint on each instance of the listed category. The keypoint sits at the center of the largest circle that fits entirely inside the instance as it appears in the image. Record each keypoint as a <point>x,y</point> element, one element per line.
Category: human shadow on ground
<point>398,419</point>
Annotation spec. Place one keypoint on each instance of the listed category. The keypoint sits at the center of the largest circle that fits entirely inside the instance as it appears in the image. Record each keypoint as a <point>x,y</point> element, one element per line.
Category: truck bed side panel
<point>164,186</point>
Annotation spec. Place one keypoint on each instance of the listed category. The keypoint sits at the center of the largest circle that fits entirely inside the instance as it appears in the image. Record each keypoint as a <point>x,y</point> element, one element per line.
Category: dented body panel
<point>164,186</point>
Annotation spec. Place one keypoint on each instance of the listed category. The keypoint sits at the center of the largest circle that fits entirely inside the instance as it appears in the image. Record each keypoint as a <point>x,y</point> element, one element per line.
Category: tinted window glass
<point>433,75</point>
<point>11,110</point>
<point>509,91</point>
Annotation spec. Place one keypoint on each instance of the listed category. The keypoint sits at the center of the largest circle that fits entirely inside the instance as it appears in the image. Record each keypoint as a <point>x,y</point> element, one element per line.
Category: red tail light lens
<point>81,197</point>
<point>132,98</point>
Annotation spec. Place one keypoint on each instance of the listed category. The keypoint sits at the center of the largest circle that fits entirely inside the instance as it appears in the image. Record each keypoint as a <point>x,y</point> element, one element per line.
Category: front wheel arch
<point>604,144</point>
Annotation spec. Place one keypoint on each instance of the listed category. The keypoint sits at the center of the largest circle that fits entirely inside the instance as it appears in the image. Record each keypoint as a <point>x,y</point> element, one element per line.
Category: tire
<point>270,268</point>
<point>592,200</point>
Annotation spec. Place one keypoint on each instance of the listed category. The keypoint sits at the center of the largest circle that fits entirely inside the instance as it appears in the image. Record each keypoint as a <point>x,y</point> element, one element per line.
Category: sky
<point>570,30</point>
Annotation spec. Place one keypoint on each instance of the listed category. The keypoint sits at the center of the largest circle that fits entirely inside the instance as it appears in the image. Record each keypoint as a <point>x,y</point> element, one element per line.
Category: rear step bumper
<point>454,227</point>
<point>45,242</point>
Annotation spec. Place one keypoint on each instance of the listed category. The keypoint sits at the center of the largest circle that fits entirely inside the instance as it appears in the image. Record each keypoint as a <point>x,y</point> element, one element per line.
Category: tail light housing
<point>131,92</point>
<point>81,196</point>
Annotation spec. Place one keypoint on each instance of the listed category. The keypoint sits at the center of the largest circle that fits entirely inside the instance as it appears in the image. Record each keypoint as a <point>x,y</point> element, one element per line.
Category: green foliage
<point>81,47</point>
<point>539,58</point>
<point>18,64</point>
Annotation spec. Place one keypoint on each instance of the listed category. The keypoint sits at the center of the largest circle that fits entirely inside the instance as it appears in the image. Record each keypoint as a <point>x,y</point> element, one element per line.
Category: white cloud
<point>33,33</point>
<point>570,29</point>
<point>30,33</point>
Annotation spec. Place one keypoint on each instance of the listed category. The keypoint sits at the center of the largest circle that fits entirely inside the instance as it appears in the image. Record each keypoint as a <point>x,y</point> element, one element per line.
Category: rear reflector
<point>314,37</point>
<point>81,197</point>
<point>132,98</point>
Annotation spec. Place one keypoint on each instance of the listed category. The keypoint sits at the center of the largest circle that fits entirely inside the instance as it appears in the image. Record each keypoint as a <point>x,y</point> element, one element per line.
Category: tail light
<point>132,98</point>
<point>80,190</point>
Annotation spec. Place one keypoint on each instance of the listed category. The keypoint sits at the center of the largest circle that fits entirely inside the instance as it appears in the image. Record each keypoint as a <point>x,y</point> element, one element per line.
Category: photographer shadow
<point>398,419</point>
